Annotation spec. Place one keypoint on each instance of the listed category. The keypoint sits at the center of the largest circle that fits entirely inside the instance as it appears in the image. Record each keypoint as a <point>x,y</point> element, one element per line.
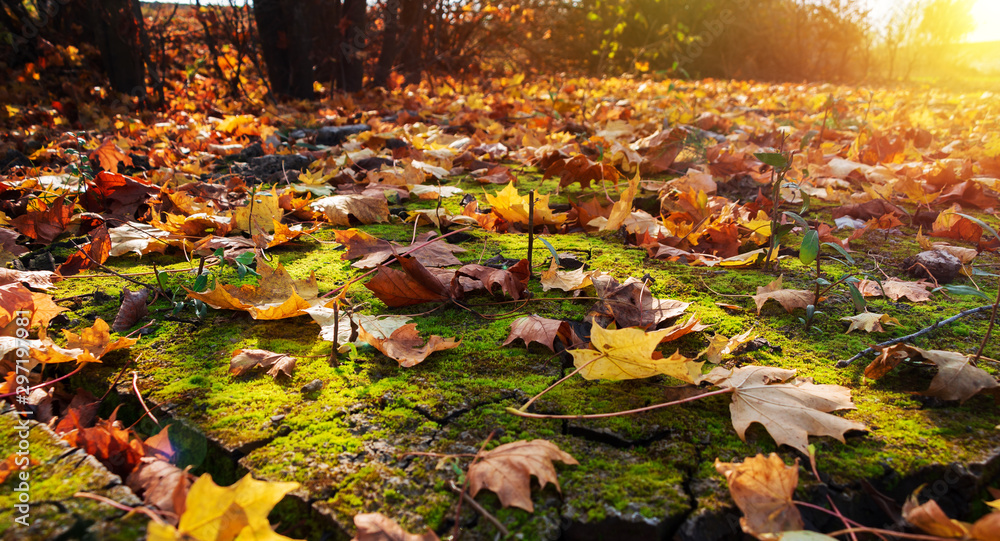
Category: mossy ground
<point>348,443</point>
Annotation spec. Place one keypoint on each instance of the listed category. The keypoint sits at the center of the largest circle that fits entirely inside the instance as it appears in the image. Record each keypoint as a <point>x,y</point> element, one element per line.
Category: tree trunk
<point>117,26</point>
<point>353,41</point>
<point>412,18</point>
<point>390,44</point>
<point>285,40</point>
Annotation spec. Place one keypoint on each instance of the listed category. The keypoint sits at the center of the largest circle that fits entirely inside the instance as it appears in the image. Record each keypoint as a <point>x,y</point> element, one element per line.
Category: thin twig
<point>891,533</point>
<point>135,387</point>
<point>486,514</point>
<point>149,513</point>
<point>520,413</point>
<point>921,332</point>
<point>989,330</point>
<point>47,383</point>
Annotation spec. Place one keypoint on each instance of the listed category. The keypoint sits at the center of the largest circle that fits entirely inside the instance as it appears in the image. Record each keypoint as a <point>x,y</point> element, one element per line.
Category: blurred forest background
<point>75,51</point>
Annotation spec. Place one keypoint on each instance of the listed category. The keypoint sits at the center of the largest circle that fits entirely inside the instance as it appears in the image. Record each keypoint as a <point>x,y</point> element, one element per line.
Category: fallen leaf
<point>628,354</point>
<point>507,471</point>
<point>789,299</point>
<point>896,289</point>
<point>47,222</point>
<point>790,412</point>
<point>244,360</point>
<point>567,280</point>
<point>956,379</point>
<point>108,155</point>
<point>719,345</point>
<point>512,281</point>
<point>580,169</point>
<point>631,304</point>
<point>260,214</point>
<point>277,295</point>
<point>87,347</point>
<point>90,255</point>
<point>133,309</point>
<point>13,297</point>
<point>870,322</point>
<point>378,527</point>
<point>214,513</point>
<point>367,209</point>
<point>414,285</point>
<point>139,238</point>
<point>512,207</point>
<point>763,488</point>
<point>405,346</point>
<point>35,279</point>
<point>542,330</point>
<point>120,196</point>
<point>622,209</point>
<point>930,518</point>
<point>161,484</point>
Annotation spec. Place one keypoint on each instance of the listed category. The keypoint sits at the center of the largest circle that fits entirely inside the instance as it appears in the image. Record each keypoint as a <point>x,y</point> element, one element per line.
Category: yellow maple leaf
<point>259,215</point>
<point>514,208</point>
<point>628,354</point>
<point>237,512</point>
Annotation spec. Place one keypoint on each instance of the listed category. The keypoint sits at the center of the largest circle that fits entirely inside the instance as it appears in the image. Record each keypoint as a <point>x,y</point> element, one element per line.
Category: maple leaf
<point>580,169</point>
<point>87,347</point>
<point>545,331</point>
<point>415,285</point>
<point>118,195</point>
<point>90,255</point>
<point>790,299</point>
<point>214,513</point>
<point>378,326</point>
<point>137,237</point>
<point>567,280</point>
<point>507,470</point>
<point>260,213</point>
<point>108,155</point>
<point>631,304</point>
<point>896,289</point>
<point>47,222</point>
<point>378,527</point>
<point>790,412</point>
<point>512,281</point>
<point>374,251</point>
<point>930,518</point>
<point>13,297</point>
<point>367,209</point>
<point>622,209</point>
<point>244,360</point>
<point>35,279</point>
<point>116,447</point>
<point>957,378</point>
<point>514,208</point>
<point>719,345</point>
<point>628,354</point>
<point>405,346</point>
<point>870,322</point>
<point>133,309</point>
<point>278,295</point>
<point>763,489</point>
<point>161,484</point>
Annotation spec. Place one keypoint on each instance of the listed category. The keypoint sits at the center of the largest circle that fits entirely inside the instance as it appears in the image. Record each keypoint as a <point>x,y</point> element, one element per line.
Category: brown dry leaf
<point>374,251</point>
<point>378,527</point>
<point>930,518</point>
<point>567,280</point>
<point>244,360</point>
<point>507,470</point>
<point>789,299</point>
<point>43,309</point>
<point>790,412</point>
<point>277,295</point>
<point>414,285</point>
<point>957,378</point>
<point>108,155</point>
<point>405,346</point>
<point>763,489</point>
<point>628,354</point>
<point>116,447</point>
<point>161,484</point>
<point>35,279</point>
<point>47,222</point>
<point>545,331</point>
<point>870,322</point>
<point>580,169</point>
<point>631,304</point>
<point>139,238</point>
<point>133,309</point>
<point>895,289</point>
<point>719,345</point>
<point>13,297</point>
<point>90,255</point>
<point>512,281</point>
<point>367,209</point>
